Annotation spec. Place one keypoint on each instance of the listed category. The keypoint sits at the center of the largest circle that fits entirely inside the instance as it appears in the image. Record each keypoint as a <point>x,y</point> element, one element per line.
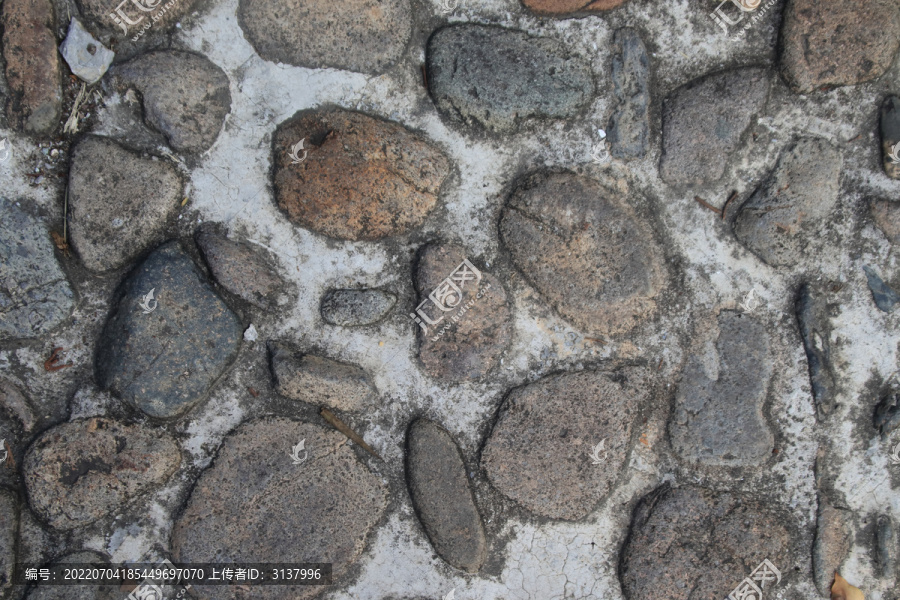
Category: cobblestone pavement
<point>468,299</point>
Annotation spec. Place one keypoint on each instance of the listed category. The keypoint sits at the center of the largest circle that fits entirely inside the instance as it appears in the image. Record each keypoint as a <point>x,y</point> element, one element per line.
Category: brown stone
<point>239,268</point>
<point>32,65</point>
<point>565,7</point>
<point>886,215</point>
<point>361,179</point>
<point>838,43</point>
<point>832,545</point>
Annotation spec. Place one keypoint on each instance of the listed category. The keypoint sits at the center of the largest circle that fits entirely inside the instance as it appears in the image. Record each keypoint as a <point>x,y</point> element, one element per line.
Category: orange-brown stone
<point>565,7</point>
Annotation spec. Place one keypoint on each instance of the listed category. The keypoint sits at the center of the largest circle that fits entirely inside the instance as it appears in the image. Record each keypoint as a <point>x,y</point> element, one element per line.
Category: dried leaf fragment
<point>841,590</point>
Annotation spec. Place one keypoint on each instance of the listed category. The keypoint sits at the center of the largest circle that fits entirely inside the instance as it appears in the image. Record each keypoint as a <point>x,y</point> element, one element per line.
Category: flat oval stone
<point>254,504</point>
<point>355,308</point>
<point>498,78</point>
<point>570,7</point>
<point>575,242</point>
<point>441,495</point>
<point>359,178</point>
<point>240,268</point>
<point>81,471</point>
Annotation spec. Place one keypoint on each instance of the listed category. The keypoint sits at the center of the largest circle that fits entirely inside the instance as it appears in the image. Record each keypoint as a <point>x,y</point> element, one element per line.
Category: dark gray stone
<point>629,127</point>
<point>718,417</point>
<point>696,544</point>
<point>886,547</point>
<point>357,35</point>
<point>539,451</point>
<point>499,78</point>
<point>441,495</point>
<point>118,202</point>
<point>240,269</point>
<point>815,329</point>
<point>9,527</point>
<point>355,308</point>
<point>887,413</point>
<point>704,121</point>
<point>782,221</point>
<point>185,96</point>
<point>886,299</point>
<point>255,505</point>
<point>574,241</point>
<point>77,592</point>
<point>890,136</point>
<point>318,380</point>
<point>35,296</point>
<point>164,362</point>
<point>81,471</point>
<point>832,543</point>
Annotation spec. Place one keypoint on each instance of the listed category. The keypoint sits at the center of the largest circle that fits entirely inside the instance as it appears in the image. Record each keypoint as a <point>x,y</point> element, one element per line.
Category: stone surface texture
<point>440,491</point>
<point>570,7</point>
<point>539,451</point>
<point>356,308</point>
<point>573,240</point>
<point>79,472</point>
<point>629,126</point>
<point>153,19</point>
<point>118,202</point>
<point>255,505</point>
<point>359,178</point>
<point>164,362</point>
<point>9,527</point>
<point>702,129</point>
<point>890,136</point>
<point>832,545</point>
<point>500,78</point>
<point>886,215</point>
<point>815,329</point>
<point>240,268</point>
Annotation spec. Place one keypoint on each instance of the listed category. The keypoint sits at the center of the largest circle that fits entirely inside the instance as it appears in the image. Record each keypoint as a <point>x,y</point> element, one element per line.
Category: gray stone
<point>466,340</point>
<point>704,121</point>
<point>15,402</point>
<point>9,527</point>
<point>355,308</point>
<point>574,241</point>
<point>886,215</point>
<point>77,592</point>
<point>240,269</point>
<point>886,299</point>
<point>539,451</point>
<point>357,35</point>
<point>629,127</point>
<point>782,221</point>
<point>718,417</point>
<point>255,505</point>
<point>185,96</point>
<point>87,58</point>
<point>890,137</point>
<point>118,202</point>
<point>815,329</point>
<point>832,544</point>
<point>441,495</point>
<point>837,43</point>
<point>165,361</point>
<point>500,78</point>
<point>696,544</point>
<point>886,547</point>
<point>79,472</point>
<point>887,413</point>
<point>35,296</point>
<point>318,380</point>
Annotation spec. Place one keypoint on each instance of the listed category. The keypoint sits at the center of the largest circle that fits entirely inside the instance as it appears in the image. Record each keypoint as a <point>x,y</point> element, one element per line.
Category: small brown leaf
<point>841,590</point>
<point>60,242</point>
<point>10,461</point>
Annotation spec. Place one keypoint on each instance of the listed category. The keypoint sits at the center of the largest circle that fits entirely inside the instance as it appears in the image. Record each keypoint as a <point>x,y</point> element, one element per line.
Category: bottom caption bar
<point>168,573</point>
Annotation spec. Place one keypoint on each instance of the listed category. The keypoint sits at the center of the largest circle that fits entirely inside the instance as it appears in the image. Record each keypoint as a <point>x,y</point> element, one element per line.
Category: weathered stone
<point>718,417</point>
<point>240,269</point>
<point>358,35</point>
<point>629,127</point>
<point>890,137</point>
<point>255,505</point>
<point>355,308</point>
<point>815,329</point>
<point>360,178</point>
<point>133,26</point>
<point>843,43</point>
<point>574,240</point>
<point>77,592</point>
<point>833,537</point>
<point>87,58</point>
<point>16,404</point>
<point>83,470</point>
<point>318,380</point>
<point>539,452</point>
<point>499,78</point>
<point>887,413</point>
<point>886,215</point>
<point>185,96</point>
<point>35,296</point>
<point>781,222</point>
<point>465,341</point>
<point>886,299</point>
<point>570,7</point>
<point>32,65</point>
<point>118,202</point>
<point>441,495</point>
<point>696,544</point>
<point>9,526</point>
<point>885,547</point>
<point>164,362</point>
<point>704,121</point>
